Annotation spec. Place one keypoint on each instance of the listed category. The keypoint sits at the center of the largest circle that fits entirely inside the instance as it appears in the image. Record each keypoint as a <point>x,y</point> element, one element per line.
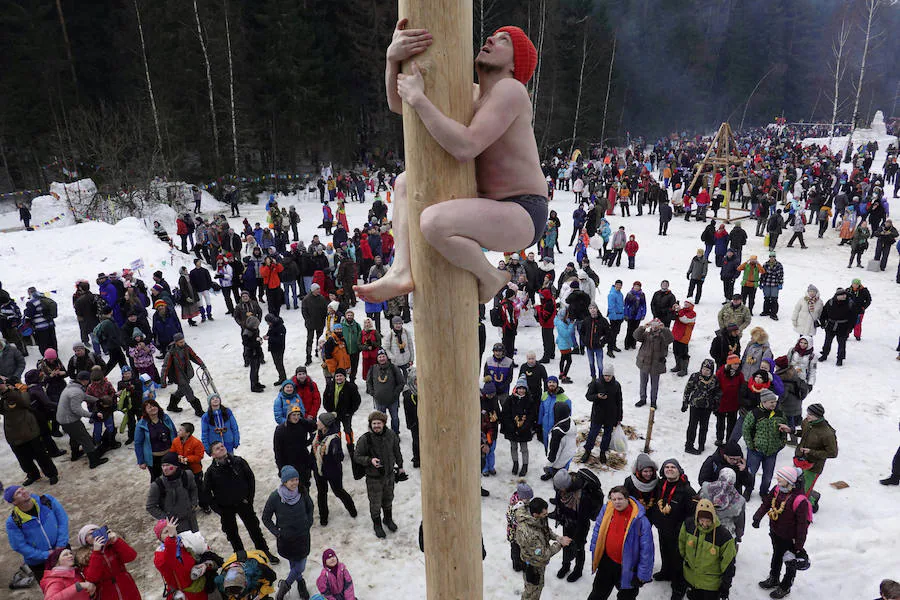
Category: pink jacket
<point>58,583</point>
<point>336,585</point>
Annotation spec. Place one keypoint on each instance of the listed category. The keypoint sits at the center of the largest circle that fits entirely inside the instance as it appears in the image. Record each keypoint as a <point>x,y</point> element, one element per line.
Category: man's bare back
<point>511,165</point>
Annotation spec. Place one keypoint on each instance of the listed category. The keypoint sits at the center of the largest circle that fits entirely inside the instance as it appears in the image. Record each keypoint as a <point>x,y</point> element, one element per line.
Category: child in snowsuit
<point>631,249</point>
<point>142,354</point>
<point>102,389</point>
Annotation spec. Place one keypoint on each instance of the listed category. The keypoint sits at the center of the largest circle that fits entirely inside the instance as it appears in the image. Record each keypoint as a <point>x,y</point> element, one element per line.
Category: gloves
<point>684,407</point>
<point>755,524</point>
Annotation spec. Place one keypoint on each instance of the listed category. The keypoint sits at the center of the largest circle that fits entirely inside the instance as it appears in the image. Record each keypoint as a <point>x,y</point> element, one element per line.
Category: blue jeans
<point>769,291</point>
<point>592,438</point>
<point>595,354</point>
<point>296,572</point>
<point>709,248</point>
<point>754,460</point>
<point>292,286</point>
<point>393,410</point>
<point>490,458</point>
<point>98,429</point>
<point>307,282</point>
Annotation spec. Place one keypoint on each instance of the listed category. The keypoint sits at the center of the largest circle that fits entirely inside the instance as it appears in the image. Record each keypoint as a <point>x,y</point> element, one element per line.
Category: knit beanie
<point>9,492</point>
<point>158,528</point>
<point>171,458</point>
<point>766,395</point>
<point>788,473</point>
<point>609,369</point>
<point>816,409</point>
<point>85,531</point>
<point>489,389</point>
<point>562,480</point>
<point>96,373</point>
<point>327,419</point>
<point>524,491</point>
<point>733,359</point>
<point>525,56</point>
<point>521,382</point>
<point>732,448</point>
<point>287,473</point>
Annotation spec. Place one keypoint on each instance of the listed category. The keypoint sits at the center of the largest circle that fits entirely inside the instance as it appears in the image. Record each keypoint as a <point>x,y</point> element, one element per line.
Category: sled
<point>207,383</point>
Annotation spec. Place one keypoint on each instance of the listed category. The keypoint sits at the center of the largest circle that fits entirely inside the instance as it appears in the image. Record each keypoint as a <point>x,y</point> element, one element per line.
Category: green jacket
<point>352,335</point>
<point>819,436</point>
<point>708,555</point>
<point>535,538</point>
<point>761,430</point>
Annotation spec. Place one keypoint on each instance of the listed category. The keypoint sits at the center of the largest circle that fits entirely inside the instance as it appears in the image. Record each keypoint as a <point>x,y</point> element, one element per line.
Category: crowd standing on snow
<point>756,388</point>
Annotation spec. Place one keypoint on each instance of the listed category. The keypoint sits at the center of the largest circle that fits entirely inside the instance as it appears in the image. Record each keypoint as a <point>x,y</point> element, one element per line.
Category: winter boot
<point>515,469</point>
<point>770,583</point>
<point>31,479</point>
<point>389,521</point>
<point>524,470</point>
<point>273,560</point>
<point>677,366</point>
<point>209,313</point>
<point>766,307</point>
<point>111,442</point>
<point>76,454</point>
<point>283,589</point>
<point>173,406</point>
<point>773,311</point>
<point>890,481</point>
<point>379,530</point>
<point>198,410</point>
<point>301,589</point>
<point>779,592</point>
<point>684,366</point>
<point>202,315</point>
<point>350,448</point>
<point>95,460</point>
<point>563,570</point>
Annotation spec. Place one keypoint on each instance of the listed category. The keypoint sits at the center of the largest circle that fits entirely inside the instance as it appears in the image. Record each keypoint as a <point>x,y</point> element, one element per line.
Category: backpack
<point>496,319</point>
<point>800,498</point>
<point>49,307</point>
<point>162,489</point>
<point>176,295</point>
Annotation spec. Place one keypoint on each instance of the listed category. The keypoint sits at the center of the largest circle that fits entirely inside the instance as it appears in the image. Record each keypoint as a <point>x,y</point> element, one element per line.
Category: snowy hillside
<point>852,544</point>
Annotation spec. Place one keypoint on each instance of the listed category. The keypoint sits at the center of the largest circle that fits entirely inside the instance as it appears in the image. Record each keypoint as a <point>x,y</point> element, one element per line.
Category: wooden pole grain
<point>445,315</point>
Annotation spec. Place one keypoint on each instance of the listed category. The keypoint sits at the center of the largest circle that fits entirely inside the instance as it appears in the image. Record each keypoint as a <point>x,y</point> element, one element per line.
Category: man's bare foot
<point>488,288</point>
<point>394,283</point>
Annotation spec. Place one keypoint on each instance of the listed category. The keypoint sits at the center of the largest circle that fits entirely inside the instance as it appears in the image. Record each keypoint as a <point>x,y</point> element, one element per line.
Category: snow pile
<point>876,133</point>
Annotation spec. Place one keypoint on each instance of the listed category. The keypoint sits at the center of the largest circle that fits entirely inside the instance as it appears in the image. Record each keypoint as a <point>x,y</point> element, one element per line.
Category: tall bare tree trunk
<point>209,85</point>
<point>612,59</point>
<point>580,83</point>
<point>65,32</point>
<point>234,141</point>
<point>537,75</point>
<point>837,48</point>
<point>159,143</point>
<point>871,8</point>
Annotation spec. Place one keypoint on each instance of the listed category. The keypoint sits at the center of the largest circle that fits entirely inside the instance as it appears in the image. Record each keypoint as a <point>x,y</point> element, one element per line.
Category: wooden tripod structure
<point>723,155</point>
<point>445,317</point>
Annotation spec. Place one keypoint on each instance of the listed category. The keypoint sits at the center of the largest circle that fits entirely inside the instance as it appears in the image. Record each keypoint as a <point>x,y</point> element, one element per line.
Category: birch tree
<point>580,84</point>
<point>612,59</point>
<point>209,85</point>
<point>872,7</point>
<point>537,74</point>
<point>837,47</point>
<point>231,90</point>
<point>159,144</point>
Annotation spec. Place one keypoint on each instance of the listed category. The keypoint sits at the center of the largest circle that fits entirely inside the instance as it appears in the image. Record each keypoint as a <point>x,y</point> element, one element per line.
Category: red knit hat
<point>525,56</point>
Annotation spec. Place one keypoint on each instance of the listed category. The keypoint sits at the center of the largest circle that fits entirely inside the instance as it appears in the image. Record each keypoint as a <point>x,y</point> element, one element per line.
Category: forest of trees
<point>125,90</point>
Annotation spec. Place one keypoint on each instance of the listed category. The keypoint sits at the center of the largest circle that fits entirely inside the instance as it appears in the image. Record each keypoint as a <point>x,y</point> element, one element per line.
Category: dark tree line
<point>308,78</point>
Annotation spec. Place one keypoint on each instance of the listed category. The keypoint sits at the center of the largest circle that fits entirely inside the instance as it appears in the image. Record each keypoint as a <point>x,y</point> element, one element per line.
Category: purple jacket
<point>337,584</point>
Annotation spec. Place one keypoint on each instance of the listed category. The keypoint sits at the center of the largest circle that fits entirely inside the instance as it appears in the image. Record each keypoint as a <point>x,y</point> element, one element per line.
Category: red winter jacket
<point>181,227</point>
<point>631,247</point>
<point>177,572</point>
<point>545,311</point>
<point>309,395</point>
<point>365,249</point>
<point>703,198</point>
<point>106,569</point>
<point>58,583</point>
<point>731,389</point>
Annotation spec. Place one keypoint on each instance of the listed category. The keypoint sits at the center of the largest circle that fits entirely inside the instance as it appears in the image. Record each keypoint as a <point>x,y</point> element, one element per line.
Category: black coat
<point>518,417</point>
<point>347,403</point>
<point>679,499</point>
<point>578,302</point>
<point>291,444</point>
<point>276,334</point>
<point>605,411</point>
<point>714,463</point>
<point>535,377</point>
<point>291,524</point>
<point>314,308</point>
<point>230,484</point>
<point>662,303</point>
<point>839,316</point>
<point>200,279</point>
<point>719,348</point>
<point>594,331</point>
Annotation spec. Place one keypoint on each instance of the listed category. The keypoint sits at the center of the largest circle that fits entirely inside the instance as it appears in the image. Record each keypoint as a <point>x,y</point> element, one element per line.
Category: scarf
<point>758,387</point>
<point>643,486</point>
<point>723,494</point>
<point>320,448</point>
<point>811,303</point>
<point>287,496</point>
<point>802,351</point>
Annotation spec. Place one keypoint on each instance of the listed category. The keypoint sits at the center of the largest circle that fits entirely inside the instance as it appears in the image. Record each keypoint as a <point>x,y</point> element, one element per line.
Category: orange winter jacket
<point>192,449</point>
<point>269,275</point>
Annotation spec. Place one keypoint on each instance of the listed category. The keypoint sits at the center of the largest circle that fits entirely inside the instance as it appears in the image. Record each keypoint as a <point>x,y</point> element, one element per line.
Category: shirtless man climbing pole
<point>510,213</point>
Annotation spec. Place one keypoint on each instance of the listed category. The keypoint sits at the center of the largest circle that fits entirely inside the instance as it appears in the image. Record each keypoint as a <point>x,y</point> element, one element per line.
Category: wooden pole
<point>445,315</point>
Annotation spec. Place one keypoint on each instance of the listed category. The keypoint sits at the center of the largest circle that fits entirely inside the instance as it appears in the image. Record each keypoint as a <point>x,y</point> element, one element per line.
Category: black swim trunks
<point>538,211</point>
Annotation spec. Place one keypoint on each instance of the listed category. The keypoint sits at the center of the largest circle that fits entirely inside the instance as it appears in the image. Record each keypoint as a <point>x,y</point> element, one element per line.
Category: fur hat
<point>377,415</point>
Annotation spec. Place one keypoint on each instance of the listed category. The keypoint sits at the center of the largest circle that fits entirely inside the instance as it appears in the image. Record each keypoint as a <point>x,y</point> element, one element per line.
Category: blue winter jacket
<point>638,550</point>
<point>546,417</point>
<point>164,330</point>
<point>35,537</point>
<point>615,305</point>
<point>565,333</point>
<point>142,449</point>
<point>284,402</point>
<point>635,306</point>
<point>224,428</point>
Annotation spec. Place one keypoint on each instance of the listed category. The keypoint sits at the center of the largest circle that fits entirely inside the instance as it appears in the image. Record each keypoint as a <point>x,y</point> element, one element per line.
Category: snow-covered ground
<point>851,543</point>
